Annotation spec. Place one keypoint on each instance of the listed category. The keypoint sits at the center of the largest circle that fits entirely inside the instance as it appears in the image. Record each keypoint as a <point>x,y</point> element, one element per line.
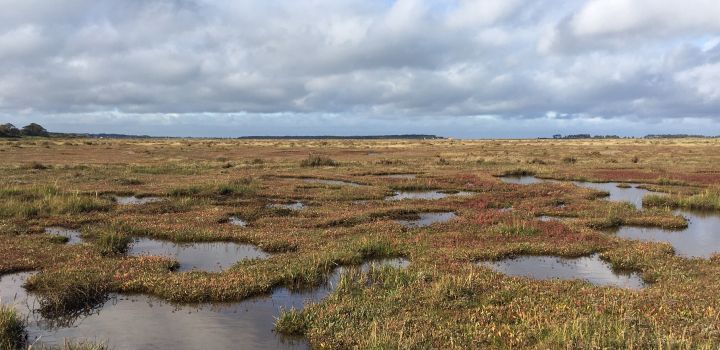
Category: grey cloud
<point>183,61</point>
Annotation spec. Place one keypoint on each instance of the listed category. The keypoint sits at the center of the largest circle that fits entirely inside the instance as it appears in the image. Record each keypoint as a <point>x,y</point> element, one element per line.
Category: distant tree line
<point>32,129</point>
<point>586,136</point>
<point>651,136</point>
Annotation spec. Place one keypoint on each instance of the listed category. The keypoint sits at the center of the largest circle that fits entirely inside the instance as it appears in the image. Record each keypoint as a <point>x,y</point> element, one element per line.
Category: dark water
<point>143,322</point>
<point>72,235</point>
<point>699,240</point>
<point>132,200</point>
<point>234,220</point>
<point>211,257</point>
<point>427,219</point>
<point>521,180</point>
<point>332,182</point>
<point>426,195</point>
<point>590,268</point>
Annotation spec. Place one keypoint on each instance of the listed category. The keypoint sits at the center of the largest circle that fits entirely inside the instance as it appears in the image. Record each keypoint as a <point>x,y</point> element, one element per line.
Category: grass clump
<point>706,200</point>
<point>64,295</point>
<point>42,201</point>
<point>111,240</point>
<point>519,172</point>
<point>318,161</point>
<point>12,329</point>
<point>517,228</point>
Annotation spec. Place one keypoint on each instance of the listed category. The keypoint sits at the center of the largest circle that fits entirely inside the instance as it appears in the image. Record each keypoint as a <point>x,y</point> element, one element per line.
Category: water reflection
<point>211,257</point>
<point>427,219</point>
<point>700,239</point>
<point>426,195</point>
<point>73,236</point>
<point>143,322</point>
<point>590,268</point>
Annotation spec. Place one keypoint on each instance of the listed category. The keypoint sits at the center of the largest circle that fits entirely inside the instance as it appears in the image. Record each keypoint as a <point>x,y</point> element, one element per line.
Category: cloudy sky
<point>462,68</point>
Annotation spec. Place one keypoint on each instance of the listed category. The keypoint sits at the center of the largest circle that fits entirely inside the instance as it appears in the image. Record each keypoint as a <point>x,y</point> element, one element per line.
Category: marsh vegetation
<point>267,242</point>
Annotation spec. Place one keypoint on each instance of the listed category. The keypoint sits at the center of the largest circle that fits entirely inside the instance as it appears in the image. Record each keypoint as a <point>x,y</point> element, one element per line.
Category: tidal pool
<point>132,200</point>
<point>521,180</point>
<point>630,194</point>
<point>427,219</point>
<point>426,195</point>
<point>210,257</point>
<point>332,182</point>
<point>72,235</point>
<point>589,268</point>
<point>143,322</point>
<point>699,240</point>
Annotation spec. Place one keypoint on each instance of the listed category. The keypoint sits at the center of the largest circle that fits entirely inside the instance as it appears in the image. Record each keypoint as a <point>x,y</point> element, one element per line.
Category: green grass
<point>706,200</point>
<point>12,329</point>
<point>318,161</point>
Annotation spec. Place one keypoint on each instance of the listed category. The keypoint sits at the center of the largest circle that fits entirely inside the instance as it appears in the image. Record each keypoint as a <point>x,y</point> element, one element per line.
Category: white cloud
<point>355,59</point>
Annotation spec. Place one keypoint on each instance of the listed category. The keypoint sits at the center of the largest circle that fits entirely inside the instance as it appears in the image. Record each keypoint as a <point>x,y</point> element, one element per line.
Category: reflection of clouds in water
<point>632,194</point>
<point>427,219</point>
<point>215,256</point>
<point>700,239</point>
<point>591,269</point>
<point>140,322</point>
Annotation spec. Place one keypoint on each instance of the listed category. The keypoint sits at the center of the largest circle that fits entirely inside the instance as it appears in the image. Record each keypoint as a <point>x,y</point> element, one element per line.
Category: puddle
<point>699,240</point>
<point>631,194</point>
<point>400,176</point>
<point>234,220</point>
<point>143,322</point>
<point>590,268</point>
<point>291,206</point>
<point>427,195</point>
<point>72,235</point>
<point>132,200</point>
<point>211,257</point>
<point>332,182</point>
<point>427,219</point>
<point>521,180</point>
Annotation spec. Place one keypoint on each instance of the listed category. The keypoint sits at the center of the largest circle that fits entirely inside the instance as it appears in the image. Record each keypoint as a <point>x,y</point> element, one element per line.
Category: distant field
<point>444,298</point>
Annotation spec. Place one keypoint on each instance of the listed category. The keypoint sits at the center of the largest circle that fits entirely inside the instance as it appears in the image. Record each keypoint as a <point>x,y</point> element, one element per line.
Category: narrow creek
<point>701,239</point>
<point>425,195</point>
<point>144,322</point>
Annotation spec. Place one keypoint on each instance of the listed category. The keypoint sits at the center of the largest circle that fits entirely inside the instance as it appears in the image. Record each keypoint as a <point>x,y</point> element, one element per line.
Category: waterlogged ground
<point>212,243</point>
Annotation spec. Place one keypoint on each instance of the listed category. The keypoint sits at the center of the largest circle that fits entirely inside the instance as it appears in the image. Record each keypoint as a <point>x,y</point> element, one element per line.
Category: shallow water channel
<point>590,268</point>
<point>631,194</point>
<point>210,257</point>
<point>425,195</point>
<point>427,219</point>
<point>143,322</point>
<point>699,240</point>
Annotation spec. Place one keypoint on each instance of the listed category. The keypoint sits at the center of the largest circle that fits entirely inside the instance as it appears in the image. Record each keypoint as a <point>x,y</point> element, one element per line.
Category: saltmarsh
<point>443,299</point>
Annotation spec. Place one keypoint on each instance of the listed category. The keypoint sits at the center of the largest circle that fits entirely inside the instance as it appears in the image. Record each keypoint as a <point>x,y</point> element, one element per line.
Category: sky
<point>456,68</point>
